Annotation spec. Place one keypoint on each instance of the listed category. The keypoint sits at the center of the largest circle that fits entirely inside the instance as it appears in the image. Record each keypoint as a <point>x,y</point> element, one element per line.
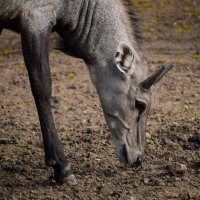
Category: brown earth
<point>171,30</point>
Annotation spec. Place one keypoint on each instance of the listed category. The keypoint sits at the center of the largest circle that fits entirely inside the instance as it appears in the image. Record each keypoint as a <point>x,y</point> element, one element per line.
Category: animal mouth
<point>124,154</point>
<point>136,163</point>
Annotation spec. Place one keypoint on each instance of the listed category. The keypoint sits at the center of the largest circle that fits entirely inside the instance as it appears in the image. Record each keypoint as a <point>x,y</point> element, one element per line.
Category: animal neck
<point>112,26</point>
<point>99,28</point>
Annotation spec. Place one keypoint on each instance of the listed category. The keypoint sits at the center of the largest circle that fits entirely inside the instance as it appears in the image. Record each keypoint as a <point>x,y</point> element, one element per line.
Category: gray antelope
<point>103,34</point>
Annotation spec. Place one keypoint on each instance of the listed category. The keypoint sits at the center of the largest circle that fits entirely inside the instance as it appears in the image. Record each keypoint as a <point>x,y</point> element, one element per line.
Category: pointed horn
<point>155,77</point>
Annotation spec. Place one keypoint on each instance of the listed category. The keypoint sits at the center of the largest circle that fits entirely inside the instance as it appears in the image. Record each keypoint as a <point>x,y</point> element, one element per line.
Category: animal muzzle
<point>134,157</point>
<point>129,156</point>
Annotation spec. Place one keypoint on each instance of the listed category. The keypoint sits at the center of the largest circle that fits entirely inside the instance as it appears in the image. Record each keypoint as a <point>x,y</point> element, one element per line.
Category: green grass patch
<point>8,51</point>
<point>70,75</point>
<point>182,28</point>
<point>196,57</point>
<point>141,2</point>
<point>150,29</point>
<point>158,20</point>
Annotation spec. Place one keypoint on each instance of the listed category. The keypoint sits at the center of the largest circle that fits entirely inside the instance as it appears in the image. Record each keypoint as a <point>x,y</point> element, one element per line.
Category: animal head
<point>125,95</point>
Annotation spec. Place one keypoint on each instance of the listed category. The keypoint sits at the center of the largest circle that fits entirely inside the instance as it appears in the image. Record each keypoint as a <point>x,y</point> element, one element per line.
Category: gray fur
<point>101,33</point>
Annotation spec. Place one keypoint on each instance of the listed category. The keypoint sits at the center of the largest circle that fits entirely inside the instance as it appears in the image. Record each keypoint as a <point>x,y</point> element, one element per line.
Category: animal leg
<point>35,45</point>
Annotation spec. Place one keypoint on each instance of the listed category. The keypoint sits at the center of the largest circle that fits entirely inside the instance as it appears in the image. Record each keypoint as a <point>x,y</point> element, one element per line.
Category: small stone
<point>72,87</point>
<point>171,144</point>
<point>8,141</point>
<point>15,81</point>
<point>182,137</point>
<point>173,138</point>
<point>148,136</point>
<point>30,142</point>
<point>66,196</point>
<point>25,168</point>
<point>88,130</point>
<point>182,167</point>
<point>84,121</point>
<point>146,181</point>
<point>56,99</point>
<point>14,198</point>
<point>135,184</point>
<point>186,195</point>
<point>190,146</point>
<point>194,139</point>
<point>172,195</point>
<point>176,169</point>
<point>160,182</point>
<point>85,112</point>
<point>71,180</point>
<point>151,146</point>
<point>63,129</point>
<point>177,179</point>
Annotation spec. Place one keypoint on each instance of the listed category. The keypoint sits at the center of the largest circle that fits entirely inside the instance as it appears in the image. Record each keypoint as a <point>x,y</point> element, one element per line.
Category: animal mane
<point>131,21</point>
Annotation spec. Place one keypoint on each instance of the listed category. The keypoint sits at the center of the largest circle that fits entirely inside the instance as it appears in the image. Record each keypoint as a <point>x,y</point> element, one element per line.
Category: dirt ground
<point>171,168</point>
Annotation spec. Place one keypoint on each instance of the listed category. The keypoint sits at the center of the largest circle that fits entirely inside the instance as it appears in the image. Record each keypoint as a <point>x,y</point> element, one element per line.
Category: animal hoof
<point>64,175</point>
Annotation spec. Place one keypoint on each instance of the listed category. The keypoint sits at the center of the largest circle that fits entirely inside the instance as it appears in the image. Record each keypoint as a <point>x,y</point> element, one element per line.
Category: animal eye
<point>140,105</point>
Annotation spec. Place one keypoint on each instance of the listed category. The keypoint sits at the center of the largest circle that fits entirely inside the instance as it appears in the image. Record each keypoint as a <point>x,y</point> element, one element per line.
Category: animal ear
<point>124,58</point>
<point>155,77</point>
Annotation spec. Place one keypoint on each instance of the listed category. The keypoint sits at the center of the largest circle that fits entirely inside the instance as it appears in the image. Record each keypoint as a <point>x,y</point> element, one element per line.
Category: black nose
<point>138,161</point>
